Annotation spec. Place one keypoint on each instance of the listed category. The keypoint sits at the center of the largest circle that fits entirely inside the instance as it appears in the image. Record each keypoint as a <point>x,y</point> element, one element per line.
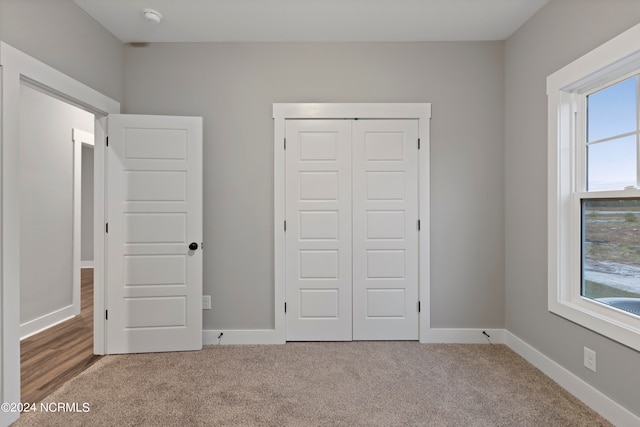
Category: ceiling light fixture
<point>152,15</point>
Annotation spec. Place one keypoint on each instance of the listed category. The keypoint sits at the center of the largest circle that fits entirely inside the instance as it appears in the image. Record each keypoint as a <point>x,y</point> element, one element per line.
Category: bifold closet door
<point>351,230</point>
<point>385,229</point>
<point>318,230</point>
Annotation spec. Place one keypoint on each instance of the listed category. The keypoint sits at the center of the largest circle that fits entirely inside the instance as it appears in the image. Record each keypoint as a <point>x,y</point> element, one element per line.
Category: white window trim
<point>566,89</point>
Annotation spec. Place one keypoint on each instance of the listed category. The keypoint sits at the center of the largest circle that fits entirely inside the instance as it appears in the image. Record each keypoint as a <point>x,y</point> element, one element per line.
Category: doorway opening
<point>18,69</point>
<point>56,296</point>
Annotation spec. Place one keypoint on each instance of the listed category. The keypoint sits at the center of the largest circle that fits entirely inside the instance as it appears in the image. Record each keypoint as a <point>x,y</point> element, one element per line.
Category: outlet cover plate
<point>206,302</point>
<point>590,359</point>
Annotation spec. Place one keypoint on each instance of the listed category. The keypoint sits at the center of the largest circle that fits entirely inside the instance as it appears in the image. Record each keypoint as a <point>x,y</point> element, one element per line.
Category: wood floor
<point>54,356</point>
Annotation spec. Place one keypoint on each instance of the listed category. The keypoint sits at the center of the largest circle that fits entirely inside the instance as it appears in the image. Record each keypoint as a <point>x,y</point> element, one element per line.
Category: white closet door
<point>318,230</point>
<point>385,230</point>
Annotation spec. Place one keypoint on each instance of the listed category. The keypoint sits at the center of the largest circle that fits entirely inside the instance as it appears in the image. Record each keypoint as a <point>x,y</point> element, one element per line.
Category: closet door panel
<point>385,229</point>
<point>318,233</point>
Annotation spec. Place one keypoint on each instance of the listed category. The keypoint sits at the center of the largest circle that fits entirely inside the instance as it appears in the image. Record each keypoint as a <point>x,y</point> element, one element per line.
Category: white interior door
<point>385,229</point>
<point>154,213</point>
<point>318,230</point>
<point>351,230</point>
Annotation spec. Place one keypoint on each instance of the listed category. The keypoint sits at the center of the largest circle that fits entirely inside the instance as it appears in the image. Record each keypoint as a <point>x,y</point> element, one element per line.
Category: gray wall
<point>60,34</point>
<point>86,232</point>
<point>46,202</point>
<point>234,85</point>
<point>560,33</point>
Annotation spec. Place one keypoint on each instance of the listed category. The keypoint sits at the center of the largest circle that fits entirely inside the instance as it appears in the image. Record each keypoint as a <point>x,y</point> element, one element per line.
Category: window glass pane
<point>611,165</point>
<point>611,252</point>
<point>612,111</point>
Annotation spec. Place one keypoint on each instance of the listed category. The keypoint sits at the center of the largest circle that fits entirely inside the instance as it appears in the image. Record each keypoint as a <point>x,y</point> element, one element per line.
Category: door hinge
<point>106,228</point>
<point>285,226</point>
<point>285,143</point>
<point>285,307</point>
<point>418,143</point>
<point>418,306</point>
<point>418,225</point>
<point>107,141</point>
<point>106,315</point>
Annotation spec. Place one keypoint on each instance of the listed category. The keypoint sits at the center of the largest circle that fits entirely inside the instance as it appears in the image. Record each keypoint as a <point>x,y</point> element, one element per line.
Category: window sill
<point>610,322</point>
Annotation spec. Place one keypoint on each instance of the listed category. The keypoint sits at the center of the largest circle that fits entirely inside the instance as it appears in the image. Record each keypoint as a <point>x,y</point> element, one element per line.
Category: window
<point>594,190</point>
<point>610,238</point>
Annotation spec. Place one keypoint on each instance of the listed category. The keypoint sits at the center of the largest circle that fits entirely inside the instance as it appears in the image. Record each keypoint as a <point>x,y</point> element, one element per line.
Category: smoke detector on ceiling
<point>152,15</point>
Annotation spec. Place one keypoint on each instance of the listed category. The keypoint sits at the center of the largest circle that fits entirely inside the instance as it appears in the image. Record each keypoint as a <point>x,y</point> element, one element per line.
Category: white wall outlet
<point>206,303</point>
<point>590,359</point>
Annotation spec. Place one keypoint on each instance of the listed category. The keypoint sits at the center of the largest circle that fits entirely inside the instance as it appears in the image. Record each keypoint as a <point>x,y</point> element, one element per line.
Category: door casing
<point>17,67</point>
<point>288,111</point>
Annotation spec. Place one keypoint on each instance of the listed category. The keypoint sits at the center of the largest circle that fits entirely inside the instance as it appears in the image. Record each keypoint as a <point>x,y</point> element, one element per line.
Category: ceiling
<point>312,20</point>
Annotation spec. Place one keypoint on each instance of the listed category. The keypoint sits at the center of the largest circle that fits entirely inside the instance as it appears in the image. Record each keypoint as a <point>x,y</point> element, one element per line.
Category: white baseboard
<point>86,264</point>
<point>34,326</point>
<point>249,336</point>
<point>269,336</point>
<point>593,398</point>
<point>462,336</point>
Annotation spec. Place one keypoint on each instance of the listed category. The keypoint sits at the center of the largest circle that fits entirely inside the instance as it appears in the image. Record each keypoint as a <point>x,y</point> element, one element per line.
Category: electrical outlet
<point>590,359</point>
<point>206,302</point>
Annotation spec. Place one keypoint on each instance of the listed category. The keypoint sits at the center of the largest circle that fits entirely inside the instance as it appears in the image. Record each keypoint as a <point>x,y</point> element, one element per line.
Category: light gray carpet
<point>319,384</point>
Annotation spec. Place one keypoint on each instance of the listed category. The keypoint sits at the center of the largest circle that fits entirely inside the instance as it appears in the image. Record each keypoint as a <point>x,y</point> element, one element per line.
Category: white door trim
<point>284,111</point>
<point>79,138</point>
<point>16,67</point>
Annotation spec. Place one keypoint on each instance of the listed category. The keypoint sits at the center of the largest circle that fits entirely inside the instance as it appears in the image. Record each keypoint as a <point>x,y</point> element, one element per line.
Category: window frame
<point>567,91</point>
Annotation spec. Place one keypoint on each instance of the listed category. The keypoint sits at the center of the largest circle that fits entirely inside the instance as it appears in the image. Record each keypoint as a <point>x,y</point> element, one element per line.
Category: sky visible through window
<point>612,113</point>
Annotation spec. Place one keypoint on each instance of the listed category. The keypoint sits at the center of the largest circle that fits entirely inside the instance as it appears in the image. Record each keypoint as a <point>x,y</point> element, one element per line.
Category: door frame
<point>287,111</point>
<point>17,67</point>
<point>81,140</point>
